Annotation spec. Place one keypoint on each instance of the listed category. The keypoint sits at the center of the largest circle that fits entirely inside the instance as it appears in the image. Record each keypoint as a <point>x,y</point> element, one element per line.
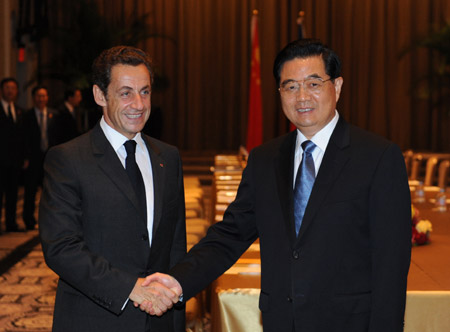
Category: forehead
<point>130,75</point>
<point>303,67</point>
<point>41,92</point>
<point>9,84</point>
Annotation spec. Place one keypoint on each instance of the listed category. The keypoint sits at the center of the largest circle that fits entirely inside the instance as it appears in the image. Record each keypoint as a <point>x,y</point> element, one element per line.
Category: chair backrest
<point>430,171</point>
<point>408,155</point>
<point>415,166</point>
<point>444,173</point>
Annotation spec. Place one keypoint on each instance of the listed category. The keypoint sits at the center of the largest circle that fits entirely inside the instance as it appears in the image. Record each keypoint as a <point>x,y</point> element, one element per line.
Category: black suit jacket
<point>70,125</point>
<point>347,269</point>
<point>95,239</point>
<point>33,134</point>
<point>11,139</point>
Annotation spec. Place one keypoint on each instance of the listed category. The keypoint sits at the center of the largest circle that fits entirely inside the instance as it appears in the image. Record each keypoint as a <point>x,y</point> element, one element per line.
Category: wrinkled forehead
<point>301,68</point>
<point>130,76</point>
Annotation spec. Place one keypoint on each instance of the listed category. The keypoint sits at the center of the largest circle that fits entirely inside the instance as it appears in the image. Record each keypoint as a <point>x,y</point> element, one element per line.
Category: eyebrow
<point>126,87</point>
<point>309,76</point>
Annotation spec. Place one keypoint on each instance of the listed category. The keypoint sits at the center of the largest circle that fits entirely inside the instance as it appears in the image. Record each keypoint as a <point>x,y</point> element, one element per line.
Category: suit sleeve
<point>390,238</point>
<point>223,244</point>
<point>63,244</point>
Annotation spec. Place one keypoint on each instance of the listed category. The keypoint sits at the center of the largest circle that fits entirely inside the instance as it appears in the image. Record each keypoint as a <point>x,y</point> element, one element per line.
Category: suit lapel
<point>158,170</point>
<point>334,159</point>
<point>109,162</point>
<point>284,164</point>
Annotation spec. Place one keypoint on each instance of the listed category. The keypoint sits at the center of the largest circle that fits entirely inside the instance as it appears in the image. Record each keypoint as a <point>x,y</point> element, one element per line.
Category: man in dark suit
<point>11,150</point>
<point>112,209</point>
<point>42,131</point>
<point>72,118</point>
<point>334,257</point>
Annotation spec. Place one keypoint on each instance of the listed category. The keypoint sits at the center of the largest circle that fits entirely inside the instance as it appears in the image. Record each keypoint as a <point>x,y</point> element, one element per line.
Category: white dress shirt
<point>320,139</point>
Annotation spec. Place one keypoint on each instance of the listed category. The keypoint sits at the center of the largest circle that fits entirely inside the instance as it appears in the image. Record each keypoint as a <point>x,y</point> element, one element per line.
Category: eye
<point>314,84</point>
<point>125,94</point>
<point>291,87</point>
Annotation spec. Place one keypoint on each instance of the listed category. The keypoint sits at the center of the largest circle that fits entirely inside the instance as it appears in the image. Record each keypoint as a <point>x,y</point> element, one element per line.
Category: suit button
<point>144,237</point>
<point>289,299</point>
<point>295,254</point>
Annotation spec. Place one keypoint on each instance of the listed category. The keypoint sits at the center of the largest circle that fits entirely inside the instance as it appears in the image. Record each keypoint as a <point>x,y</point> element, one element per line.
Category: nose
<point>138,103</point>
<point>302,93</point>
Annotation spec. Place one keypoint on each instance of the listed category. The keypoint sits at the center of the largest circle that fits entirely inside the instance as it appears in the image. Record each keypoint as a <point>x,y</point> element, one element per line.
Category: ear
<point>99,96</point>
<point>337,86</point>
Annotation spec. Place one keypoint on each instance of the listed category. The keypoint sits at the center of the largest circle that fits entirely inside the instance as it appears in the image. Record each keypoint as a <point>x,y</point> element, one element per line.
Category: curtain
<point>203,52</point>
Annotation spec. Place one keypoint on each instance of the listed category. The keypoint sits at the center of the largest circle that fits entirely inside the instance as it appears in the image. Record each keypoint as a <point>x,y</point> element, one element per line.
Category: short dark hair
<point>305,48</point>
<point>70,92</point>
<point>125,55</point>
<point>8,79</point>
<point>36,88</point>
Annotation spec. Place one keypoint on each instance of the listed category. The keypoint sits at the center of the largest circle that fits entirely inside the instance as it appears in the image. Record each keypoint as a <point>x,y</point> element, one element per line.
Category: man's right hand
<point>154,295</point>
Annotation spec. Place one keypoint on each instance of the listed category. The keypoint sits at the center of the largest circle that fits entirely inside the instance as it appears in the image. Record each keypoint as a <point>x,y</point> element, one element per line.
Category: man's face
<point>309,111</point>
<point>10,91</point>
<point>40,99</point>
<point>126,108</point>
<point>75,100</point>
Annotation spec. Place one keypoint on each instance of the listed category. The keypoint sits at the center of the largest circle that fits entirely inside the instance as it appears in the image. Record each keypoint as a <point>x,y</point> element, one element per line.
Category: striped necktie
<point>304,182</point>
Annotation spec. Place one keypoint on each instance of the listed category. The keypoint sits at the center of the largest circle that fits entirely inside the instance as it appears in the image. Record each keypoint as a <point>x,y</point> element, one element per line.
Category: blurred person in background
<point>11,150</point>
<point>42,131</point>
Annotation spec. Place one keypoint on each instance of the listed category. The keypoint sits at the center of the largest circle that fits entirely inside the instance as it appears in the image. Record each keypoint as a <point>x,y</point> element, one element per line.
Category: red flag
<point>254,122</point>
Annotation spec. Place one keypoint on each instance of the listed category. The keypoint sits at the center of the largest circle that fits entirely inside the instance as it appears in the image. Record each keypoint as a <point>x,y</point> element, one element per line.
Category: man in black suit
<point>336,243</point>
<point>112,209</point>
<point>72,118</point>
<point>11,150</point>
<point>42,131</point>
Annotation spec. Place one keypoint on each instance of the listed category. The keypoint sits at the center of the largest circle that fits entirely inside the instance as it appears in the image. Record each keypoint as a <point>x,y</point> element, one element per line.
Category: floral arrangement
<point>421,228</point>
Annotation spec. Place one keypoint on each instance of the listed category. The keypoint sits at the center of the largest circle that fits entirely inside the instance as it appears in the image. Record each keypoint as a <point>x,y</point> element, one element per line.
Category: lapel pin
<point>161,165</point>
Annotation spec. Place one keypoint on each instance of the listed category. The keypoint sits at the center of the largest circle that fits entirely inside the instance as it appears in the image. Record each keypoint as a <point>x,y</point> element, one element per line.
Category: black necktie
<point>10,116</point>
<point>135,175</point>
<point>304,182</point>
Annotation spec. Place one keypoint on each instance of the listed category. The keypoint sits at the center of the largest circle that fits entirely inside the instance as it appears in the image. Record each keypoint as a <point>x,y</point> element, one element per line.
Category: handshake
<point>156,293</point>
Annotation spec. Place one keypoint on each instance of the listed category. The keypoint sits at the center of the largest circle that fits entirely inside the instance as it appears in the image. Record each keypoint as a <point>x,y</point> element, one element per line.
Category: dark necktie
<point>135,175</point>
<point>10,116</point>
<point>303,183</point>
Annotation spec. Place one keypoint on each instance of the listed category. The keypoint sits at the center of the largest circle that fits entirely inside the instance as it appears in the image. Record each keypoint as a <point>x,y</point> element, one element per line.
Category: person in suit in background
<point>112,209</point>
<point>331,206</point>
<point>71,116</point>
<point>42,131</point>
<point>11,150</point>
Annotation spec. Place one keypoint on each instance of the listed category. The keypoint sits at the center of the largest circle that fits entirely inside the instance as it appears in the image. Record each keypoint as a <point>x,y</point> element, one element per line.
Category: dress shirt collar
<point>117,139</point>
<point>321,138</point>
<point>69,106</point>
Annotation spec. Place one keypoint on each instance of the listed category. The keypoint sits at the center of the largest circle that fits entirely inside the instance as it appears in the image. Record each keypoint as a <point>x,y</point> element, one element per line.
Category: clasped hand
<point>156,293</point>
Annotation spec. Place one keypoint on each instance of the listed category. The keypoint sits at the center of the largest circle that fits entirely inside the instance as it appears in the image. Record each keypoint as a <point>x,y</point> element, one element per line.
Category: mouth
<point>134,116</point>
<point>304,110</point>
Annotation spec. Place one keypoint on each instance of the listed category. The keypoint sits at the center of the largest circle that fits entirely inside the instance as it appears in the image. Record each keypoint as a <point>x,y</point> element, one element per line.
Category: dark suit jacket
<point>95,239</point>
<point>347,269</point>
<point>70,125</point>
<point>33,134</point>
<point>11,139</point>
